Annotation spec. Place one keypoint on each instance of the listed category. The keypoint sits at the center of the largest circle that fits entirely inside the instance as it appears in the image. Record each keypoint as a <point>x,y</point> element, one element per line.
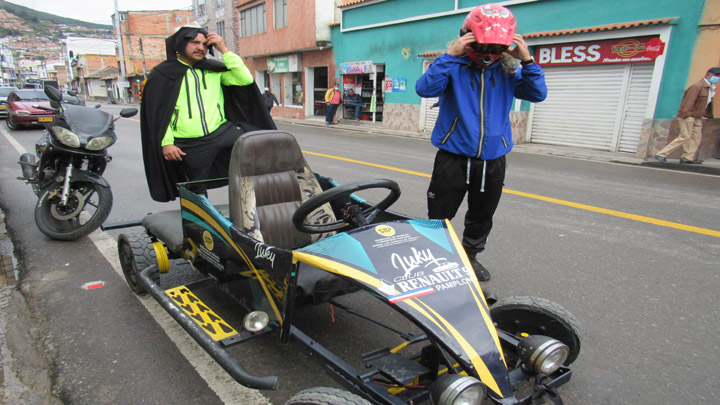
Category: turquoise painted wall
<point>385,44</point>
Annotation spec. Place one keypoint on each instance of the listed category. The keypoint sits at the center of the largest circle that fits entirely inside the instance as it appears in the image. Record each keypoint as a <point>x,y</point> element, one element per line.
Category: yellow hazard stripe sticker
<point>208,320</point>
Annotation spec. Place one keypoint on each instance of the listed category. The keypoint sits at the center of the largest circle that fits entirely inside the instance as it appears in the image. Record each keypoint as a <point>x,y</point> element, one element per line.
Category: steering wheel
<point>352,215</point>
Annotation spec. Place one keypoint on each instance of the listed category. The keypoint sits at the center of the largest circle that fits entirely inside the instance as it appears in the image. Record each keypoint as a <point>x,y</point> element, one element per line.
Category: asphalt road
<point>632,252</point>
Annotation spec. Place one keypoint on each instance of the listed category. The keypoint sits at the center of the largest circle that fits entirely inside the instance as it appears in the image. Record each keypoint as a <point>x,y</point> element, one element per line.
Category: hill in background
<point>35,35</point>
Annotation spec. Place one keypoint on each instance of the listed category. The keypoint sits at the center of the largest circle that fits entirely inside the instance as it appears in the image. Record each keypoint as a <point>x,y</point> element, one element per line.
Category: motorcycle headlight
<point>542,354</point>
<point>66,137</point>
<point>99,143</point>
<point>456,389</point>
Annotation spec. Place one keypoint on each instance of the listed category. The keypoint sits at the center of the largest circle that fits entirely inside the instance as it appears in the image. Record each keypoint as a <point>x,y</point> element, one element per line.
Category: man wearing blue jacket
<point>476,81</point>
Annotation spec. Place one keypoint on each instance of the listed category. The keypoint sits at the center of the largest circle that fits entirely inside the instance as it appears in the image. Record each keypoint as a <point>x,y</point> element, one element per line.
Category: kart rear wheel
<point>136,252</point>
<point>537,316</point>
<point>325,396</point>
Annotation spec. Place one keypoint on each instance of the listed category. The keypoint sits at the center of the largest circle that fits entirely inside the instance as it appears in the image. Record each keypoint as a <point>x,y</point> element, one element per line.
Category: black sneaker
<point>690,162</point>
<point>480,271</point>
<point>661,159</point>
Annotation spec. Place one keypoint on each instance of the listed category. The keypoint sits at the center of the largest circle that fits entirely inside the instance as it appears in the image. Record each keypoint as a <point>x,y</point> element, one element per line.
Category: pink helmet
<point>493,27</point>
<point>491,24</point>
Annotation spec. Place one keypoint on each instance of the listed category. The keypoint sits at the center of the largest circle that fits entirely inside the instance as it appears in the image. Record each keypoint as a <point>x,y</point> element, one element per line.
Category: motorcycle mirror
<point>98,105</point>
<point>53,93</point>
<point>128,112</point>
<point>72,92</point>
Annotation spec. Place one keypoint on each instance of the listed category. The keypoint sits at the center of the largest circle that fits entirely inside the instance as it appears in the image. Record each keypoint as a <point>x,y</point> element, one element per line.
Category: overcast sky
<point>100,11</point>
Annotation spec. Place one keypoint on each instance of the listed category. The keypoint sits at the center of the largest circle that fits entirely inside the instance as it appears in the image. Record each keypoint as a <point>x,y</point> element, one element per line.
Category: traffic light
<point>72,56</point>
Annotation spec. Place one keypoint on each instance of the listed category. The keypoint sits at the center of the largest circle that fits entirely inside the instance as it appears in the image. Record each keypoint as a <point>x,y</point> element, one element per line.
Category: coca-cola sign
<point>621,50</point>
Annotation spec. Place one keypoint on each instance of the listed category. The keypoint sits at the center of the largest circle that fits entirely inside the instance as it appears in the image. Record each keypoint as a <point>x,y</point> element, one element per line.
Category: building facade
<point>286,44</point>
<point>143,36</point>
<point>218,16</point>
<point>616,70</point>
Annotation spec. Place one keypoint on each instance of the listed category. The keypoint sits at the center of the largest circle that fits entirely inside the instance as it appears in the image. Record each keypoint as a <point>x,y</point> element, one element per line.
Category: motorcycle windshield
<point>86,121</point>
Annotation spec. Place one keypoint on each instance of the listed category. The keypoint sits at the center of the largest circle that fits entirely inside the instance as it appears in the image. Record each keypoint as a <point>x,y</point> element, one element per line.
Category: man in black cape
<point>173,150</point>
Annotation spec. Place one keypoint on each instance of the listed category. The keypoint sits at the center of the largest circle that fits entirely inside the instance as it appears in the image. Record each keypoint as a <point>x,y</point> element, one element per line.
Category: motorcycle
<point>74,198</point>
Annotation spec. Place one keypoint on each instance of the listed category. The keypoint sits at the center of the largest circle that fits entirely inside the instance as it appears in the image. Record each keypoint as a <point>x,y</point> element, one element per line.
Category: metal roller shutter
<point>635,107</point>
<point>593,106</point>
<point>431,115</point>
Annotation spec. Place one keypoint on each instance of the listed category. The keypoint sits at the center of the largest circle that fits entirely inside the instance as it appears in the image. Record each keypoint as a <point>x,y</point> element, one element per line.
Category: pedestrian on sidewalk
<point>473,138</point>
<point>270,99</point>
<point>333,98</point>
<point>695,106</point>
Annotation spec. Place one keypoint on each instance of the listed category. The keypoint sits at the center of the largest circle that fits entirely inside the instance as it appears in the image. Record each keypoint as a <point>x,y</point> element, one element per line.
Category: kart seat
<point>167,227</point>
<point>268,180</point>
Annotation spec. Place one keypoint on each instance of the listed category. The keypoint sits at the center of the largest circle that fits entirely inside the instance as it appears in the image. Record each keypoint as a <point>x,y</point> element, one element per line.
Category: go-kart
<point>290,238</point>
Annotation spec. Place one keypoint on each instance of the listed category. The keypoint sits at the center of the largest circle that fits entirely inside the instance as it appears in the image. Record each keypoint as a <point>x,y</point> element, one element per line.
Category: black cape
<point>243,105</point>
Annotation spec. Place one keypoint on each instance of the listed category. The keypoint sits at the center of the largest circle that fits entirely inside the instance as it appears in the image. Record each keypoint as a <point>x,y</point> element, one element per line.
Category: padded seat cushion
<point>167,227</point>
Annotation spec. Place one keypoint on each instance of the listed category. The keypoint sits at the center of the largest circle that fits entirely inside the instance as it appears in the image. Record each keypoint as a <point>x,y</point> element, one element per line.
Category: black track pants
<point>208,157</point>
<point>453,176</point>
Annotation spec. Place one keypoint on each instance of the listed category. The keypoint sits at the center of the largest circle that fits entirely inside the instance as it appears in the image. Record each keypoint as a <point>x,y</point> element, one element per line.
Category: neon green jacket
<point>200,105</point>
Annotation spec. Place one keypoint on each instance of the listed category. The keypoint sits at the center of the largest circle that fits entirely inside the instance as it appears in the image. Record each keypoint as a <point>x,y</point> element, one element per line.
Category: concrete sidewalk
<point>709,166</point>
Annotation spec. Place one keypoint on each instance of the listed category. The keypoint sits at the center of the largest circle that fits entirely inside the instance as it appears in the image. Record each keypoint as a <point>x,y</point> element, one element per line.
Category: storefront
<point>298,81</point>
<point>367,80</point>
<point>599,92</point>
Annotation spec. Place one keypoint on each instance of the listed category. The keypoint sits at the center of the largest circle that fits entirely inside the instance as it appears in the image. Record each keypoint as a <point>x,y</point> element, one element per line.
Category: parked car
<point>4,92</point>
<point>20,110</point>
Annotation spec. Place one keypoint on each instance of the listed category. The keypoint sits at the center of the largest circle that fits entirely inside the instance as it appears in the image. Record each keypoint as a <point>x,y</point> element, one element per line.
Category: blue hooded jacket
<point>475,104</point>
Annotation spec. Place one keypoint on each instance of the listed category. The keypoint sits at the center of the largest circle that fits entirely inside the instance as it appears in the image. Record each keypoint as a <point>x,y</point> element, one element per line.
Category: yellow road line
<point>619,214</point>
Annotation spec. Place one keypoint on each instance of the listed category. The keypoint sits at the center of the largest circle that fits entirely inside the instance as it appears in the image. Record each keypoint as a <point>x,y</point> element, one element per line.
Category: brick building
<point>286,44</point>
<point>143,36</point>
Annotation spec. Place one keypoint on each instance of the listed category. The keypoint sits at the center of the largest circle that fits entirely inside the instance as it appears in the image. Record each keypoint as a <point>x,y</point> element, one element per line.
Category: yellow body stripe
<point>208,320</point>
<point>211,221</point>
<point>484,373</point>
<point>477,292</point>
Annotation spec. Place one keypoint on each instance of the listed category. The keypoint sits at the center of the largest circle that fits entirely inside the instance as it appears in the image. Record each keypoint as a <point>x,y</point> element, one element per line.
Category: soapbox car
<point>289,239</point>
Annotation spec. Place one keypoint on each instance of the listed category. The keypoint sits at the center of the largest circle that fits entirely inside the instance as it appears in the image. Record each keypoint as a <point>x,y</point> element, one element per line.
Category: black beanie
<point>177,42</point>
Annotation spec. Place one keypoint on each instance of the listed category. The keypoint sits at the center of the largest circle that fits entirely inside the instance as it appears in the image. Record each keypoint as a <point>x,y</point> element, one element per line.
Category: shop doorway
<point>316,78</point>
<point>370,87</point>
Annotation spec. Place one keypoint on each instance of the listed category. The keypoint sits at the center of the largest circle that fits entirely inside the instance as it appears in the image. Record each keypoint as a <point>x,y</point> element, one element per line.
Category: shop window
<point>252,21</point>
<point>293,89</point>
<point>280,9</point>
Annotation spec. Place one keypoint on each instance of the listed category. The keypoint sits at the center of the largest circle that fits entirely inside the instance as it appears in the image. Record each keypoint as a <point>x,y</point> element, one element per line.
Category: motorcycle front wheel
<point>88,206</point>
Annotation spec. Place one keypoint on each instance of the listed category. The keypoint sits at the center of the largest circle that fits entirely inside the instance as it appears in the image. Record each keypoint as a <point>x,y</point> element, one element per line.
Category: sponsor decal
<point>413,261</point>
<point>411,294</point>
<point>385,230</point>
<point>208,240</point>
<point>264,252</point>
<point>621,50</point>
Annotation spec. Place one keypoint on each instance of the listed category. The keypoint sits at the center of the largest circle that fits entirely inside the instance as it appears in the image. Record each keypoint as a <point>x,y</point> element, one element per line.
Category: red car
<point>20,110</point>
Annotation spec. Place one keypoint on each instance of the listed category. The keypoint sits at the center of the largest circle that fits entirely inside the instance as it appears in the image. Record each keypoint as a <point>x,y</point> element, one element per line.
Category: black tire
<point>537,316</point>
<point>136,252</point>
<point>325,396</point>
<point>11,123</point>
<point>64,222</point>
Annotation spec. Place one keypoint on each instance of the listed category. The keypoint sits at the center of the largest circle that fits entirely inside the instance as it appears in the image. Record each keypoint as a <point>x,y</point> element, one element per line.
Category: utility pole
<point>142,53</point>
<point>123,76</point>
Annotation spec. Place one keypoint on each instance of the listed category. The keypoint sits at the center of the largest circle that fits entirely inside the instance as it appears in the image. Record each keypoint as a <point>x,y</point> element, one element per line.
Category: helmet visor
<point>488,49</point>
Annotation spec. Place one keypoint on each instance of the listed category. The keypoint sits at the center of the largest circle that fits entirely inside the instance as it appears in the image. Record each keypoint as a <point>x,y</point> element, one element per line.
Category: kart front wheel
<point>522,316</point>
<point>325,396</point>
<point>136,252</point>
